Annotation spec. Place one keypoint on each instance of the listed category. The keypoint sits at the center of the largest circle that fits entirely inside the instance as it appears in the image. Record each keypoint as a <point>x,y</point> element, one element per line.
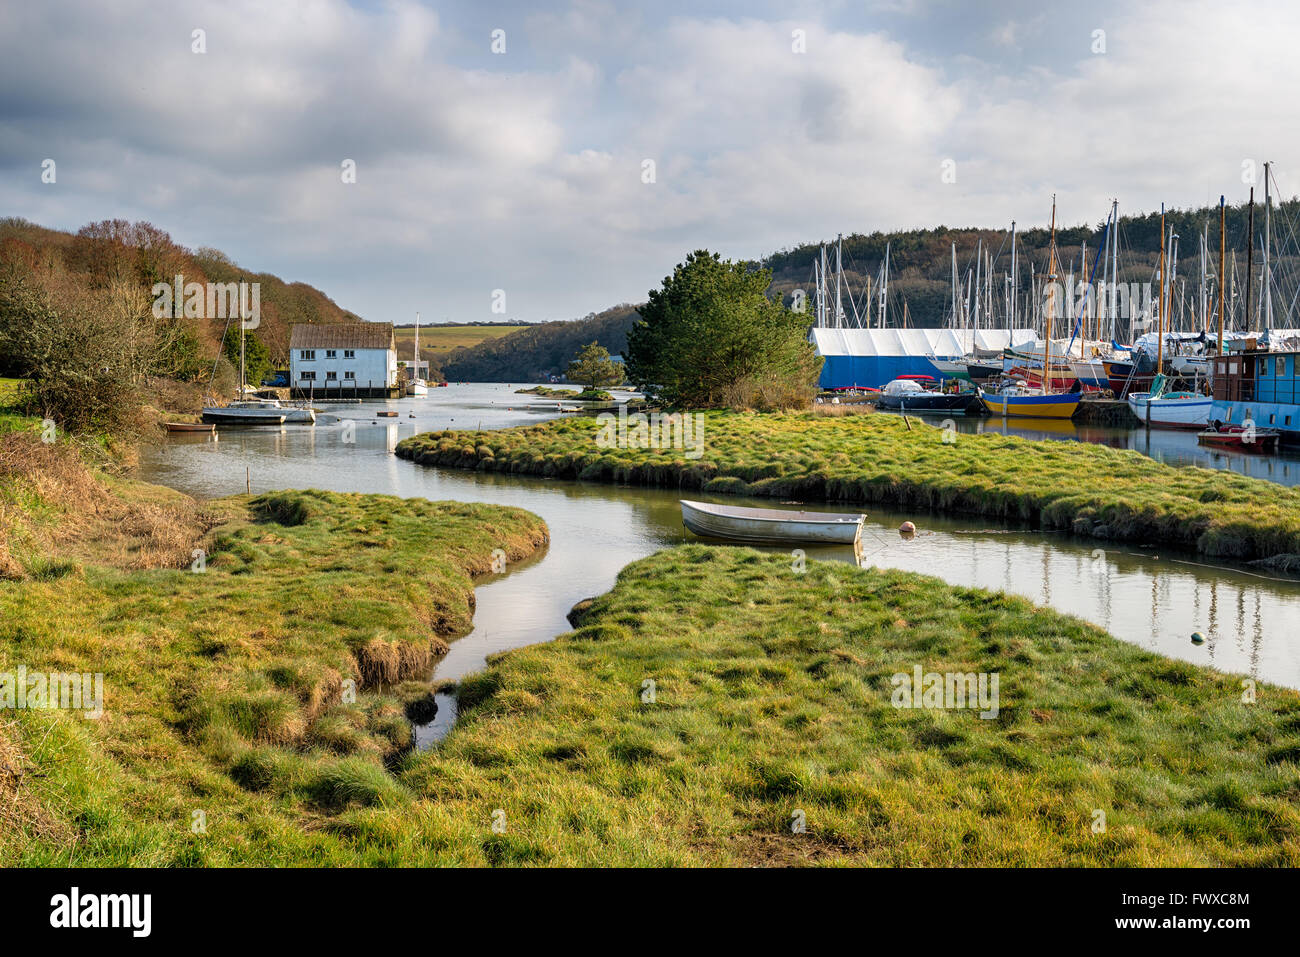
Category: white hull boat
<point>419,388</point>
<point>771,525</point>
<point>1176,410</point>
<point>258,412</point>
<point>227,415</point>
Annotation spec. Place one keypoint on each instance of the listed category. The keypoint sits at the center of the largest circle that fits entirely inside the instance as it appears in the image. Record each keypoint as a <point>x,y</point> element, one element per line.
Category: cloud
<point>524,171</point>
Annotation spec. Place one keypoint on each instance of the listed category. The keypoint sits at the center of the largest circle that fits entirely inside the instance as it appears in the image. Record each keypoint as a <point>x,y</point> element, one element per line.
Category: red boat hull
<point>1234,438</point>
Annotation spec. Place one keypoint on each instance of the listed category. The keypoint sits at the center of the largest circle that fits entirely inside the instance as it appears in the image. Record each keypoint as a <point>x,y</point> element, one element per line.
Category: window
<point>331,376</point>
<point>1281,367</point>
<point>349,374</point>
<point>1287,421</point>
<point>329,354</point>
<point>1232,368</point>
<point>308,376</point>
<point>1272,416</point>
<point>307,355</point>
<point>349,353</point>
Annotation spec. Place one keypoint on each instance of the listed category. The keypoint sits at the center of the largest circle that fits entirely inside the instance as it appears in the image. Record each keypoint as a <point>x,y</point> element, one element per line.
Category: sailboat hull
<point>1171,412</point>
<point>1052,406</point>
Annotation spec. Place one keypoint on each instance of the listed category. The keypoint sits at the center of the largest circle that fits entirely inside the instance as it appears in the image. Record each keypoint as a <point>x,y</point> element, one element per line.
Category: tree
<point>594,368</point>
<point>257,358</point>
<point>712,337</point>
<point>72,356</point>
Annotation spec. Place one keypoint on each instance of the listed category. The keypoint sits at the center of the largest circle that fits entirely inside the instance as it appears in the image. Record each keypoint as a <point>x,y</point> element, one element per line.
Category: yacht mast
<point>954,285</point>
<point>884,291</point>
<point>1014,287</point>
<point>1160,328</point>
<point>1223,217</point>
<point>839,274</point>
<point>1268,242</point>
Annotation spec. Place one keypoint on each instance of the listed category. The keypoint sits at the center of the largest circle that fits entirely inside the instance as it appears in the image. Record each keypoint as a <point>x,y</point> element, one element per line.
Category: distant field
<point>438,341</point>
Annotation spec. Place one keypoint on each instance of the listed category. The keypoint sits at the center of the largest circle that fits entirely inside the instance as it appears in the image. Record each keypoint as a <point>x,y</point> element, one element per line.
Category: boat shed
<point>872,357</point>
<point>343,360</point>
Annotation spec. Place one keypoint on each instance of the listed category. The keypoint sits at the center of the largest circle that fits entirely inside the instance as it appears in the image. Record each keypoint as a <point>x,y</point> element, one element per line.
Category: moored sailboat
<point>1039,401</point>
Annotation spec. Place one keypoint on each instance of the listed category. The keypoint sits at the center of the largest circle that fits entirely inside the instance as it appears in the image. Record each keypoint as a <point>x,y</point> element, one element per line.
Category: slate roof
<point>342,335</point>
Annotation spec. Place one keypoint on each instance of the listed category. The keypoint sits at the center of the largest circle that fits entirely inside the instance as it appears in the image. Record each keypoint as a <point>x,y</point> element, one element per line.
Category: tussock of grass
<point>1086,489</point>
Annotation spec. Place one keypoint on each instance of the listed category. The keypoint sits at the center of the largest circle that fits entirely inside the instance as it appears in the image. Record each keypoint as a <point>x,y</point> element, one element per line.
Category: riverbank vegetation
<point>1086,489</point>
<point>78,322</point>
<point>715,708</point>
<point>260,656</point>
<point>546,392</point>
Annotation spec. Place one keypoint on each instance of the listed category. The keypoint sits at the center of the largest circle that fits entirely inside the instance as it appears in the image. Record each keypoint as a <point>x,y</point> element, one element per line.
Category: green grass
<point>772,701</point>
<point>1087,489</point>
<point>548,393</point>
<point>225,689</point>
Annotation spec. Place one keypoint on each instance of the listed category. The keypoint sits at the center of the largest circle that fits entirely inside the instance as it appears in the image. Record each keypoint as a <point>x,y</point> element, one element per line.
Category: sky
<point>502,151</point>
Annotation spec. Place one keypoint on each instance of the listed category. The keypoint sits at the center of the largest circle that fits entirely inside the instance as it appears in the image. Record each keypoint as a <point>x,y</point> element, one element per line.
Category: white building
<point>353,358</point>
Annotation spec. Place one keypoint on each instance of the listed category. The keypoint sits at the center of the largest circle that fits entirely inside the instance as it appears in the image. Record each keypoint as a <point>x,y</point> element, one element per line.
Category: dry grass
<point>51,502</point>
<point>839,411</point>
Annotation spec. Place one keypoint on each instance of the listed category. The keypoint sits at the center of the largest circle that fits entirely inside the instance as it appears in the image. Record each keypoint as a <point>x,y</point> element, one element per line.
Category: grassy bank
<point>771,703</point>
<point>1086,489</point>
<point>227,673</point>
<point>773,695</point>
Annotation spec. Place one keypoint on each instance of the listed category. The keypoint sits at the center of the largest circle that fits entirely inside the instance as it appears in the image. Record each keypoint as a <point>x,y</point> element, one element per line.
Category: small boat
<point>189,426</point>
<point>387,415</point>
<point>1173,410</point>
<point>909,394</point>
<point>772,525</point>
<point>1240,439</point>
<point>418,387</point>
<point>259,411</point>
<point>1022,402</point>
<point>243,413</point>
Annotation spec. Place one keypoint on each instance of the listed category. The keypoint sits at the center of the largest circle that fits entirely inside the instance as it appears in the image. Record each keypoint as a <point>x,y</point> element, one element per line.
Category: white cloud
<point>523,171</point>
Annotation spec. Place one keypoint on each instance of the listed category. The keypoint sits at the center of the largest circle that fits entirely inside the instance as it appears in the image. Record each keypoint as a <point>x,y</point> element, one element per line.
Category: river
<point>1155,598</point>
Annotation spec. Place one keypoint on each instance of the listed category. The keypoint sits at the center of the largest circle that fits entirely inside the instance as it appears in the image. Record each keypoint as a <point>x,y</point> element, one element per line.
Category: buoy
<point>907,530</point>
<point>1198,638</point>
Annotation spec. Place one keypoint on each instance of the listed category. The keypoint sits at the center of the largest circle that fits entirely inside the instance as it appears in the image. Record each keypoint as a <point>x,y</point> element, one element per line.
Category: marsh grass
<point>1093,490</point>
<point>773,695</point>
<point>224,689</point>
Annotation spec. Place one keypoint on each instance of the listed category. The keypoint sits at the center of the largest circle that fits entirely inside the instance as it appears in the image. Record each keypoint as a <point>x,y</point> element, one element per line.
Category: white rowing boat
<point>771,524</point>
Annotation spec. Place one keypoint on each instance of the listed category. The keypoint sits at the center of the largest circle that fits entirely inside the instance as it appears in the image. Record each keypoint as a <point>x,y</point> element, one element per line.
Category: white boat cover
<point>921,343</point>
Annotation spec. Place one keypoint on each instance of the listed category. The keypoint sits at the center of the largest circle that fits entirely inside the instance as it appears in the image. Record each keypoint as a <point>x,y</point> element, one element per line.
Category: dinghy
<point>1240,439</point>
<point>772,525</point>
